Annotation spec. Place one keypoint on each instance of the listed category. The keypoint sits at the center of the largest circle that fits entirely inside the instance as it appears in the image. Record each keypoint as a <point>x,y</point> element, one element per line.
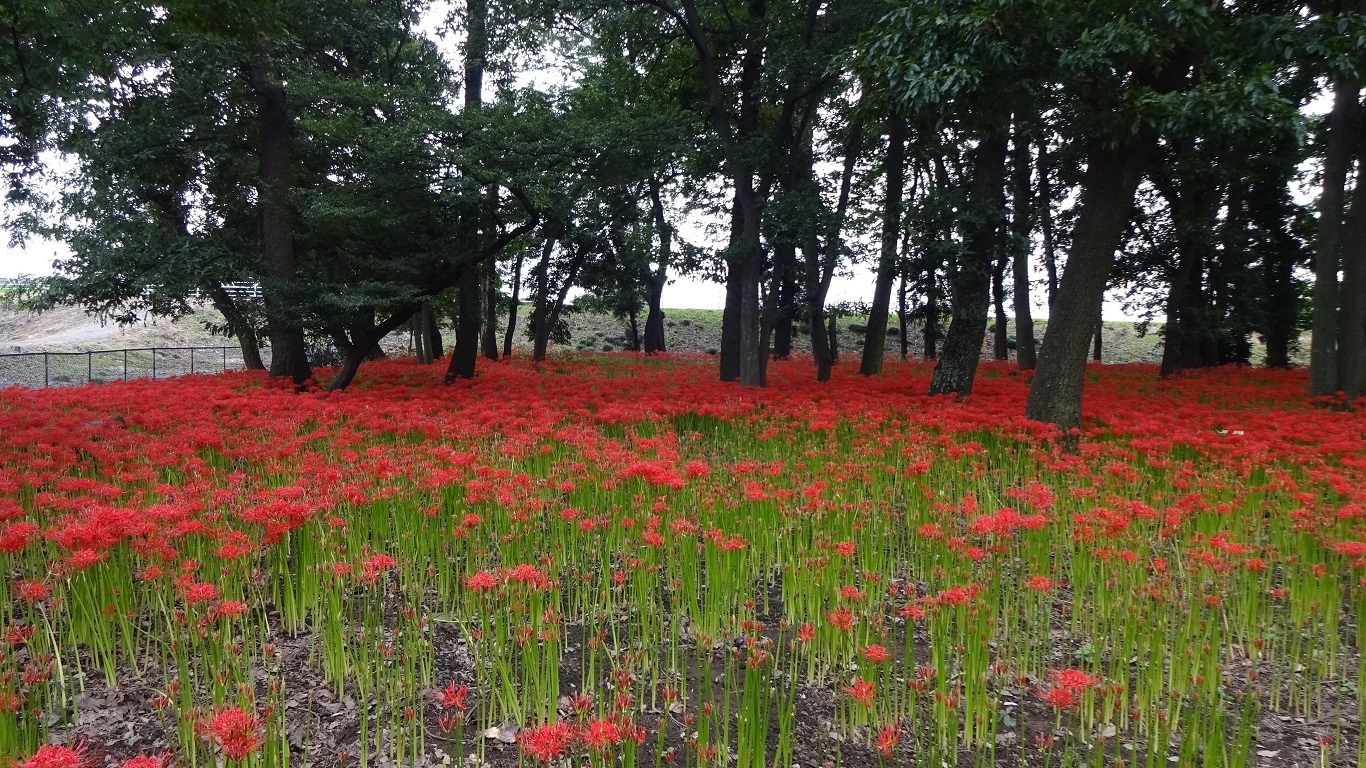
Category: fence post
<point>88,366</point>
<point>44,369</point>
<point>125,365</point>
<point>154,363</point>
<point>191,359</point>
<point>225,357</point>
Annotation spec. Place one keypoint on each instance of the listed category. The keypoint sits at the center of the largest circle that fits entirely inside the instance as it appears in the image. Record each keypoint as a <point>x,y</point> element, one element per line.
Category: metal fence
<point>47,369</point>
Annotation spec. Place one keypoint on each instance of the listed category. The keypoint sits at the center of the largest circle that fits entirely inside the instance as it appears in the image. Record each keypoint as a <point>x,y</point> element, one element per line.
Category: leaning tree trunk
<point>238,326</point>
<point>1050,257</point>
<point>510,333</point>
<point>1324,377</point>
<point>875,335</point>
<point>1107,201</point>
<point>288,354</point>
<point>1021,227</point>
<point>971,281</point>
<point>1352,315</point>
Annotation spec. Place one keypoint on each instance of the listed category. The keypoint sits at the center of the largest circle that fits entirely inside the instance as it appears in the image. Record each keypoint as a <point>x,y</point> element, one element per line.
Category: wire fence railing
<point>48,369</point>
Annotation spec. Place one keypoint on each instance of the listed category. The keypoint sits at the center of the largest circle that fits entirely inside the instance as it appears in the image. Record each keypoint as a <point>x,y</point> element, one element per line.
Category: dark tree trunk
<point>1107,201</point>
<point>540,312</point>
<point>730,314</point>
<point>238,326</point>
<point>971,280</point>
<point>654,317</point>
<point>488,342</point>
<point>785,288</point>
<point>821,262</point>
<point>510,333</point>
<point>931,308</point>
<point>1050,257</point>
<point>751,265</point>
<point>833,335</point>
<point>1172,333</point>
<point>633,329</point>
<point>1352,315</point>
<point>875,336</point>
<point>465,353</point>
<point>435,346</point>
<point>1324,378</point>
<point>288,354</point>
<point>1021,229</point>
<point>419,340</point>
<point>364,343</point>
<point>901,311</point>
<point>1000,340</point>
<point>550,312</point>
<point>1098,340</point>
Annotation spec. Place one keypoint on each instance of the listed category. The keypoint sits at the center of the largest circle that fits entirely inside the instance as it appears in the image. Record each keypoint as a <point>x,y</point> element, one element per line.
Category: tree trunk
<point>971,280</point>
<point>654,317</point>
<point>1099,339</point>
<point>465,353</point>
<point>288,354</point>
<point>821,262</point>
<point>833,339</point>
<point>1324,377</point>
<point>875,335</point>
<point>421,338</point>
<point>540,305</point>
<point>931,332</point>
<point>1000,340</point>
<point>435,346</point>
<point>902,309</point>
<point>730,314</point>
<point>1352,315</point>
<point>1107,201</point>
<point>1173,334</point>
<point>1050,257</point>
<point>238,326</point>
<point>364,344</point>
<point>1021,229</point>
<point>751,265</point>
<point>509,335</point>
<point>488,342</point>
<point>633,331</point>
<point>785,289</point>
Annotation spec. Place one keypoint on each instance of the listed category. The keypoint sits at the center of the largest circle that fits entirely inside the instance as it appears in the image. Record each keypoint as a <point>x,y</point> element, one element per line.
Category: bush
<point>854,327</point>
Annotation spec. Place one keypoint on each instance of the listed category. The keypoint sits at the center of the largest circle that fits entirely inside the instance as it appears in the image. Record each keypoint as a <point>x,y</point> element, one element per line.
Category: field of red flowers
<point>622,562</point>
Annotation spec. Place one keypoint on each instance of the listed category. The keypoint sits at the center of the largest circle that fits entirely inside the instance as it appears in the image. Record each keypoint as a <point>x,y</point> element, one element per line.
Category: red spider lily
<point>1074,679</point>
<point>842,619</point>
<point>548,742</point>
<point>1060,697</point>
<point>147,761</point>
<point>235,731</point>
<point>452,697</point>
<point>31,591</point>
<point>54,756</point>
<point>862,691</point>
<point>887,738</point>
<point>601,735</point>
<point>876,654</point>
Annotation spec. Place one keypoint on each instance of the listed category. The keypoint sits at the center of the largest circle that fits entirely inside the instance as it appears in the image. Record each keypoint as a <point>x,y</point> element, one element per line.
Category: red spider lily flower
<point>31,591</point>
<point>482,581</point>
<point>201,591</point>
<point>147,761</point>
<point>807,632</point>
<point>862,691</point>
<point>1075,679</point>
<point>55,756</point>
<point>1060,697</point>
<point>10,702</point>
<point>842,619</point>
<point>548,742</point>
<point>580,702</point>
<point>234,730</point>
<point>1039,583</point>
<point>601,735</point>
<point>452,697</point>
<point>887,738</point>
<point>876,654</point>
<point>845,548</point>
